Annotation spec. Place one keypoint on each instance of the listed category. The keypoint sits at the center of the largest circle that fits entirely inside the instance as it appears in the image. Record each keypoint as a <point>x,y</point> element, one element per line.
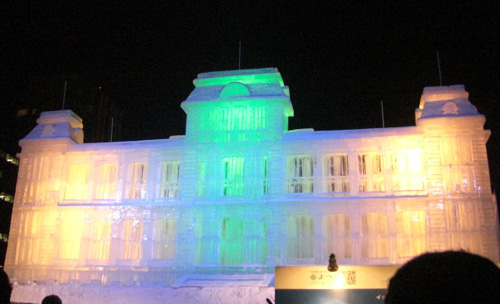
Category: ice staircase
<point>198,280</point>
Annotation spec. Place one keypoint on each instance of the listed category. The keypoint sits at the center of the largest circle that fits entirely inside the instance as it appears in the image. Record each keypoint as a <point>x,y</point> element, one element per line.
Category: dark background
<point>340,59</point>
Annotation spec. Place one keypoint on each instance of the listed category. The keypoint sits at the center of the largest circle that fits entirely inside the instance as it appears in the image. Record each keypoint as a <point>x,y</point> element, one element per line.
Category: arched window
<point>135,186</point>
<point>371,177</point>
<point>77,182</point>
<point>336,173</point>
<point>300,174</point>
<point>169,179</point>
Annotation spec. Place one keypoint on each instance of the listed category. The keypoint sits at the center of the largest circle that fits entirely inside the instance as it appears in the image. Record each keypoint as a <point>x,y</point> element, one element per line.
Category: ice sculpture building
<point>240,193</point>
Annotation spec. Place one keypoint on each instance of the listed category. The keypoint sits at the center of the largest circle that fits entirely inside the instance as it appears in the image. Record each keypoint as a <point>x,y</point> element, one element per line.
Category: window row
<point>337,173</point>
<point>240,240</point>
<point>134,184</point>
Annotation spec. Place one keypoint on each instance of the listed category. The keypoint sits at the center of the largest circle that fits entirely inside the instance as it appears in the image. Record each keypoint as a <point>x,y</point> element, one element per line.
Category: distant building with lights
<point>241,194</point>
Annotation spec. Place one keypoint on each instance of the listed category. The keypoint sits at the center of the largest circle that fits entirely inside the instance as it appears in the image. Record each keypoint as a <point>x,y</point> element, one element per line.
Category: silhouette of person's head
<point>52,299</point>
<point>445,277</point>
<point>5,287</point>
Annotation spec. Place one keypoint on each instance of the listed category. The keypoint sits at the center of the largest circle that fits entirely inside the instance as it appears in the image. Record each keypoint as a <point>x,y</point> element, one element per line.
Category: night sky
<point>339,59</point>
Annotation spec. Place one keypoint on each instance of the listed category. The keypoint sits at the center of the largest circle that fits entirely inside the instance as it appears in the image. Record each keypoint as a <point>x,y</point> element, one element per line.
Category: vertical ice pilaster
<point>188,172</point>
<point>187,238</point>
<point>436,230</point>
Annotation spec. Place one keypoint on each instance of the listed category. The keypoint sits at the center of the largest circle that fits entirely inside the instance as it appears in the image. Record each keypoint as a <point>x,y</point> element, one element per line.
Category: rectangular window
<point>233,176</point>
<point>169,179</point>
<point>411,240</point>
<point>77,182</point>
<point>375,236</point>
<point>237,118</point>
<point>300,176</point>
<point>255,242</point>
<point>232,241</point>
<point>464,218</point>
<point>135,187</point>
<point>336,170</point>
<point>70,233</point>
<point>132,239</point>
<point>337,231</point>
<point>300,237</point>
<point>107,177</point>
<point>165,239</point>
<point>459,174</point>
<point>29,245</point>
<point>370,172</point>
<point>406,168</point>
<point>456,150</point>
<point>99,242</point>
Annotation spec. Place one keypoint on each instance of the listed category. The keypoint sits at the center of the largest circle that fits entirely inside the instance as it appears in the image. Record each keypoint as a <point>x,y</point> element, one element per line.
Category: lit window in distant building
<point>300,174</point>
<point>233,176</point>
<point>169,179</point>
<point>77,182</point>
<point>135,187</point>
<point>370,172</point>
<point>336,173</point>
<point>22,112</point>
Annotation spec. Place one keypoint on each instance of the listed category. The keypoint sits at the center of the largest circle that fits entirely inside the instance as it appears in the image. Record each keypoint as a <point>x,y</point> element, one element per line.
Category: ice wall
<point>241,194</point>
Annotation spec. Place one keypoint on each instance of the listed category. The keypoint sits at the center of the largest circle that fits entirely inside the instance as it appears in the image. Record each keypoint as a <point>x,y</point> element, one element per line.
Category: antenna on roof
<point>439,69</point>
<point>239,56</point>
<point>64,95</point>
<point>382,108</point>
<point>111,131</point>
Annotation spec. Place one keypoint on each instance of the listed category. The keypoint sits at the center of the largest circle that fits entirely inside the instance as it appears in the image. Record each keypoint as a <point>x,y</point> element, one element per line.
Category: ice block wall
<point>241,194</point>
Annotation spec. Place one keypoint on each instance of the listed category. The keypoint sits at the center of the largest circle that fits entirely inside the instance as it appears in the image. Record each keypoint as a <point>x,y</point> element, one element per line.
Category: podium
<point>347,285</point>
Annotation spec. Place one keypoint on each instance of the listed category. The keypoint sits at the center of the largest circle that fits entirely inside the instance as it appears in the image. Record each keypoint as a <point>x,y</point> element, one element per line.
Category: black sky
<point>340,59</point>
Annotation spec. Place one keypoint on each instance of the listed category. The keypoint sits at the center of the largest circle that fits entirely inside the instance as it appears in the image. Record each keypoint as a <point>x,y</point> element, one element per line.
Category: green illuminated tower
<point>231,117</point>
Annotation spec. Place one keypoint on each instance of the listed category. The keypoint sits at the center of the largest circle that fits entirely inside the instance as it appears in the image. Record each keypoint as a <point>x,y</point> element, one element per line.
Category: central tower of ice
<point>234,118</point>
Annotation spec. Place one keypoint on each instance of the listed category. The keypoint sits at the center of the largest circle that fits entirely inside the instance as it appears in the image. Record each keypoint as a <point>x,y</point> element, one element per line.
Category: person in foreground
<point>52,299</point>
<point>445,277</point>
<point>5,287</point>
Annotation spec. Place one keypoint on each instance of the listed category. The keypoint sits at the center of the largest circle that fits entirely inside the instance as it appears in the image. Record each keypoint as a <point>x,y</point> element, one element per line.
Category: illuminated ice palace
<point>242,194</point>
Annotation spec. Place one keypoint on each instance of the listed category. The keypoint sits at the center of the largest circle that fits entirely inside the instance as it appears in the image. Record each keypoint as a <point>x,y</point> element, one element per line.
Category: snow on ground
<point>78,294</point>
